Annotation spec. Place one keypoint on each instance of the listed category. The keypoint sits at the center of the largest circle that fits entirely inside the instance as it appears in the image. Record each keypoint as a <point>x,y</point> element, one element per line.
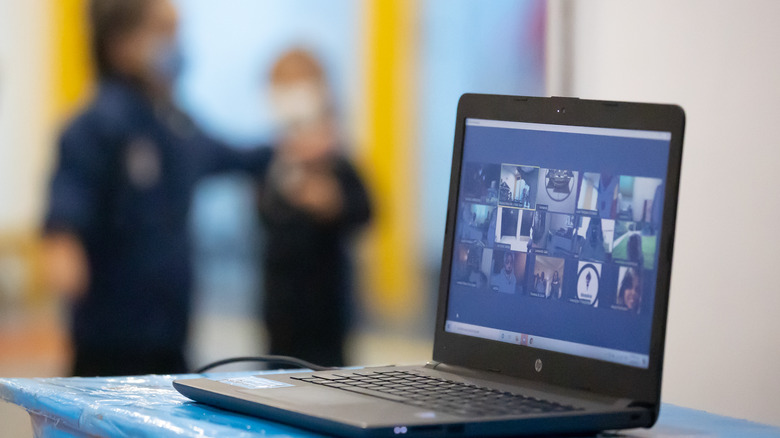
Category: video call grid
<point>581,237</point>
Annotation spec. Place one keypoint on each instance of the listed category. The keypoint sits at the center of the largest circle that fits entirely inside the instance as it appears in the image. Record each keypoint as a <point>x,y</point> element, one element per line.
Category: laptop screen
<point>556,238</point>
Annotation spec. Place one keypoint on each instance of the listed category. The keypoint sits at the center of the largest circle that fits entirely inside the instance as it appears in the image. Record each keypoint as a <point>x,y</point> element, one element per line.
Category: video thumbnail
<point>588,281</point>
<point>468,265</point>
<point>640,200</point>
<point>480,182</point>
<point>518,186</point>
<point>548,277</point>
<point>513,228</point>
<point>598,192</point>
<point>508,271</point>
<point>629,292</point>
<point>478,223</point>
<point>553,232</point>
<point>595,237</point>
<point>634,244</point>
<point>557,190</point>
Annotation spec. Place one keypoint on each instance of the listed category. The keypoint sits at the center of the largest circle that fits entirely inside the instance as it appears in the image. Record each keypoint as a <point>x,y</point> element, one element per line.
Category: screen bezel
<point>521,361</point>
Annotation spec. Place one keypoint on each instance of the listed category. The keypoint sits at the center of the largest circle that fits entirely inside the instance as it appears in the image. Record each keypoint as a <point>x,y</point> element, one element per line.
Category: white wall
<point>721,62</point>
<point>25,112</point>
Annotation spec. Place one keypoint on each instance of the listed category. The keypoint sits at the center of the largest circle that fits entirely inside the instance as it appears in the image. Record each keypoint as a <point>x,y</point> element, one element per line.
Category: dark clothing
<point>126,362</point>
<point>308,271</point>
<point>123,185</point>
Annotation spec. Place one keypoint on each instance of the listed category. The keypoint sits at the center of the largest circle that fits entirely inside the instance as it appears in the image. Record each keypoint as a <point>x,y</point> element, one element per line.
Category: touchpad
<point>308,395</point>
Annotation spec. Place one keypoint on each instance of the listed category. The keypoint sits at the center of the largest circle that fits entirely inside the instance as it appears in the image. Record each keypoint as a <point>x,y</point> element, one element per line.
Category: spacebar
<point>373,393</point>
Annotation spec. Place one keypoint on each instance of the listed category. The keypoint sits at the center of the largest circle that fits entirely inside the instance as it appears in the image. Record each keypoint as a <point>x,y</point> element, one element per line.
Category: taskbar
<point>583,350</point>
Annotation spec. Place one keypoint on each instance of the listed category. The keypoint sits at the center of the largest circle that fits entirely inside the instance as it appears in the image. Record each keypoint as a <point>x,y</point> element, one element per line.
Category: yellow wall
<point>72,72</point>
<point>44,79</point>
<point>69,80</point>
<point>393,265</point>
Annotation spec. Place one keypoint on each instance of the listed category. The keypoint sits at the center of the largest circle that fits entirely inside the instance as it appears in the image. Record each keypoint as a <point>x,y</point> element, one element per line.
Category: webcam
<point>561,110</point>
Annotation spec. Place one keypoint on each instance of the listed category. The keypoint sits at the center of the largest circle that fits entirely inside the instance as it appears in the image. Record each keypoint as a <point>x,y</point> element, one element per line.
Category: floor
<point>32,344</point>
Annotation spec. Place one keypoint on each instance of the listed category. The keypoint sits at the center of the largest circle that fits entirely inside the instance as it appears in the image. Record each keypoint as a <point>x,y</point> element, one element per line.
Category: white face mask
<point>298,104</point>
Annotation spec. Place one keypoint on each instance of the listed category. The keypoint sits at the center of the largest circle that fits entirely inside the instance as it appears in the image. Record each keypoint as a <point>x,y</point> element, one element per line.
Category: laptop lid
<point>558,243</point>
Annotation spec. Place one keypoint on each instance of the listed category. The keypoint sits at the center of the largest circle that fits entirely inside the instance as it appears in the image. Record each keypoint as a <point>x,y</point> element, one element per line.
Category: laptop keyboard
<point>417,389</point>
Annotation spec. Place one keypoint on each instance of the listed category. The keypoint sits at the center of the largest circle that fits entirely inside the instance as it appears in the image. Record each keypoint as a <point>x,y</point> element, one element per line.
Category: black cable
<point>286,360</point>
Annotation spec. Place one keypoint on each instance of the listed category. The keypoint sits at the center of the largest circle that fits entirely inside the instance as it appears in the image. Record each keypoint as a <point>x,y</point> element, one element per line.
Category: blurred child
<point>311,201</point>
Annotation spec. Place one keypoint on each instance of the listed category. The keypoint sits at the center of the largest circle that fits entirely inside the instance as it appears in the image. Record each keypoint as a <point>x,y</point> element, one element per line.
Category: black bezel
<point>643,385</point>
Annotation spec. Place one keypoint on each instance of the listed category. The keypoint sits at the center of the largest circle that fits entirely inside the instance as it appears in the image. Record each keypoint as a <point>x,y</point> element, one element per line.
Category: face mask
<point>298,104</point>
<point>167,62</point>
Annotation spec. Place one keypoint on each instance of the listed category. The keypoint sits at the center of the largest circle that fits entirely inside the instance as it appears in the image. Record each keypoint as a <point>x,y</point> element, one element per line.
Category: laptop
<point>553,293</point>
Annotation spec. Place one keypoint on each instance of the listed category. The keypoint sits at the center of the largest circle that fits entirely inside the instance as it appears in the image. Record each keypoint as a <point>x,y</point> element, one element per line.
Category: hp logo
<point>538,365</point>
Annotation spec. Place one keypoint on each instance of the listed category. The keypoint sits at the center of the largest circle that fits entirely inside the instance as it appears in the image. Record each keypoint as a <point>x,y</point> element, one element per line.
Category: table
<point>149,406</point>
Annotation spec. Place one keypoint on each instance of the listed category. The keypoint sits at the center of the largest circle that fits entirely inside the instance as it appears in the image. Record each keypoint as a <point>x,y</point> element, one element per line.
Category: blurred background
<point>398,69</point>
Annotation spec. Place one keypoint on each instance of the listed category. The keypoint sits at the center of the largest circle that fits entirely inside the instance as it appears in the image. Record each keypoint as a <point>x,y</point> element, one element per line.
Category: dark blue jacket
<point>123,185</point>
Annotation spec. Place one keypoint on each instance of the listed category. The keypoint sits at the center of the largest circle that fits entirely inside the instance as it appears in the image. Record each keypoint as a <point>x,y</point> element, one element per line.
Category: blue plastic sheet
<point>140,406</point>
<point>148,406</point>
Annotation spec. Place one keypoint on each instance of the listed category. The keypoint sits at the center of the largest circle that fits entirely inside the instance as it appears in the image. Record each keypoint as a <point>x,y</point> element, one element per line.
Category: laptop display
<point>557,238</point>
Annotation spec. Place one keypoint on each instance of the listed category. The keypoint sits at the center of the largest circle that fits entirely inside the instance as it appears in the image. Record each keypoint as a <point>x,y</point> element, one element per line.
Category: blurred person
<point>541,285</point>
<point>311,201</point>
<point>634,249</point>
<point>593,247</point>
<point>505,280</point>
<point>555,286</point>
<point>116,234</point>
<point>470,230</point>
<point>630,292</point>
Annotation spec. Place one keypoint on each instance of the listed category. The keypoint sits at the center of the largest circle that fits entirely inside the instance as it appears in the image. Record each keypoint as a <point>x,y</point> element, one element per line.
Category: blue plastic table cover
<point>144,406</point>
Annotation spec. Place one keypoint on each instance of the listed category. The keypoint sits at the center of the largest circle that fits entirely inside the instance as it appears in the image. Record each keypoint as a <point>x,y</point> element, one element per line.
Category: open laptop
<point>553,293</point>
